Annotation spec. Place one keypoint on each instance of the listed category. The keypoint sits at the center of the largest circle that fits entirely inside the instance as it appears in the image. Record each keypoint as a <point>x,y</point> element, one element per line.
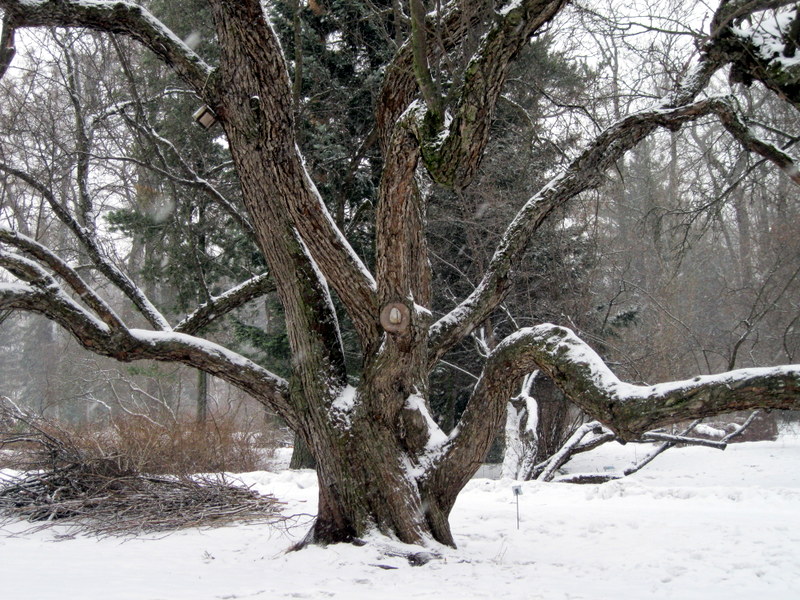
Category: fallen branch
<point>668,442</point>
<point>654,436</point>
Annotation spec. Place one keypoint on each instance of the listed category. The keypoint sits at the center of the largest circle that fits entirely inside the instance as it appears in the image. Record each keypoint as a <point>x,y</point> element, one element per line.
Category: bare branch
<point>63,270</point>
<point>196,182</point>
<point>741,428</point>
<point>565,452</point>
<point>737,127</point>
<point>657,436</point>
<point>106,267</point>
<point>82,136</point>
<point>630,469</point>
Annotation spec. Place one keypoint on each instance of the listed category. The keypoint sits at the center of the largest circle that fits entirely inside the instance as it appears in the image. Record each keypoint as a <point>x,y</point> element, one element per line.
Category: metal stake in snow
<point>517,493</point>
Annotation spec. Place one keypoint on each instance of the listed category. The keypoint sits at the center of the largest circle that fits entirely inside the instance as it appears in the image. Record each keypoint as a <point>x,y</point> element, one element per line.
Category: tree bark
<point>382,462</point>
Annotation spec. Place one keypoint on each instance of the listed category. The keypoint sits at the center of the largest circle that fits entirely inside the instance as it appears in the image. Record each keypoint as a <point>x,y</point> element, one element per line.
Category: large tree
<point>381,459</point>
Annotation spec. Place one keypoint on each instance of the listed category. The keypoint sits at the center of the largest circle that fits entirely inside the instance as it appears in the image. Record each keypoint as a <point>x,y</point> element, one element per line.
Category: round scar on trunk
<point>395,317</point>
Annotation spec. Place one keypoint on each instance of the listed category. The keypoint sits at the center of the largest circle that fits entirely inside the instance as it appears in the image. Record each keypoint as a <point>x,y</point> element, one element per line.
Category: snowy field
<point>696,523</point>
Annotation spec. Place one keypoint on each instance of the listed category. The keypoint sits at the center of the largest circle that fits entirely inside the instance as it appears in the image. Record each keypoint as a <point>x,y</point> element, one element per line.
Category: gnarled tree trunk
<point>381,459</point>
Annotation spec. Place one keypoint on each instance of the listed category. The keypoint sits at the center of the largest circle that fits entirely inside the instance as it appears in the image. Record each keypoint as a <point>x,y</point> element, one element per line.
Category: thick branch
<point>584,173</point>
<point>225,303</point>
<point>278,191</point>
<point>422,69</point>
<point>402,267</point>
<point>136,344</point>
<point>400,86</point>
<point>631,410</point>
<point>453,159</point>
<point>119,16</point>
<point>7,49</point>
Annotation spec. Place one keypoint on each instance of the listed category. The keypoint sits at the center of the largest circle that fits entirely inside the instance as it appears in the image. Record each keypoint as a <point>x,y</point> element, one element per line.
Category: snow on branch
<point>585,172</point>
<point>117,16</point>
<point>565,452</point>
<point>43,295</point>
<point>452,152</point>
<point>224,303</point>
<point>761,47</point>
<point>737,127</point>
<point>733,11</point>
<point>657,436</point>
<point>668,441</point>
<point>63,270</point>
<point>631,410</point>
<point>92,247</point>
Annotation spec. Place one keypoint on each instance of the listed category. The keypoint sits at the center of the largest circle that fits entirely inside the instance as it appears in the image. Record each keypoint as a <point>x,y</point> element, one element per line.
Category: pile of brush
<point>57,479</point>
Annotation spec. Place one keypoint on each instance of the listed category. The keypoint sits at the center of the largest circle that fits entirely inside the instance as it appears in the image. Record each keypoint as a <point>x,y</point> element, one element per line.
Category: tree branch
<point>630,469</point>
<point>115,275</point>
<point>631,410</point>
<point>657,436</point>
<point>737,127</point>
<point>752,51</point>
<point>43,295</point>
<point>583,173</point>
<point>117,16</point>
<point>422,71</point>
<point>400,85</point>
<point>7,50</point>
<point>225,303</point>
<point>568,449</point>
<point>731,11</point>
<point>256,92</point>
<point>453,159</point>
<point>63,270</point>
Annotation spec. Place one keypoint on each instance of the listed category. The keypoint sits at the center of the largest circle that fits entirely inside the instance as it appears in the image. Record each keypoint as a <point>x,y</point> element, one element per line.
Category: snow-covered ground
<point>696,523</point>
